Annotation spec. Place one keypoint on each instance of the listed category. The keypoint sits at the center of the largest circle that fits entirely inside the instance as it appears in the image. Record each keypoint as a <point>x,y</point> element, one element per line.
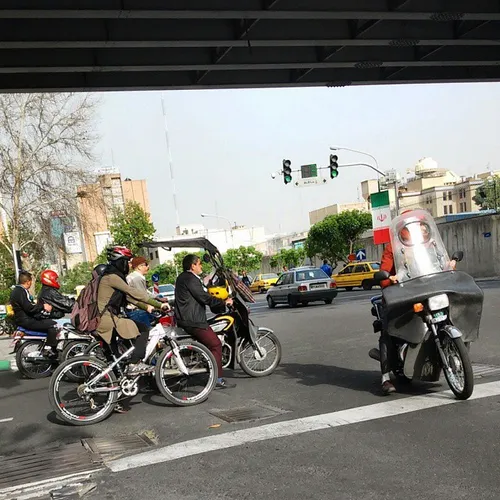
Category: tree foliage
<point>488,194</point>
<point>166,271</point>
<point>131,226</point>
<point>46,144</point>
<point>178,257</point>
<point>243,259</point>
<point>336,236</point>
<point>291,257</point>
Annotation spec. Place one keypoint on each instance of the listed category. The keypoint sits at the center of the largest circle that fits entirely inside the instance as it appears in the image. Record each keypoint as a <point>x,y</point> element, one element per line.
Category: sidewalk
<point>5,349</point>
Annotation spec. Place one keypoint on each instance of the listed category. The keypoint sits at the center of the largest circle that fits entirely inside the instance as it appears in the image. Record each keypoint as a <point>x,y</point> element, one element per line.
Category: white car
<point>166,291</point>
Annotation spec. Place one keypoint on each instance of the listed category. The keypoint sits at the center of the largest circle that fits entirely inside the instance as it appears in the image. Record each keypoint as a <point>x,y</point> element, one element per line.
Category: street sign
<point>351,257</point>
<point>361,254</point>
<point>308,182</point>
<point>487,235</point>
<point>308,171</point>
<point>155,278</point>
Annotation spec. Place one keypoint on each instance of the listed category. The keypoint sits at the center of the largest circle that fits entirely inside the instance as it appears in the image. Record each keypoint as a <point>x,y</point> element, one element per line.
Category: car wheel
<point>292,302</point>
<point>366,285</point>
<point>348,288</point>
<point>270,302</point>
<point>305,303</point>
<point>328,301</point>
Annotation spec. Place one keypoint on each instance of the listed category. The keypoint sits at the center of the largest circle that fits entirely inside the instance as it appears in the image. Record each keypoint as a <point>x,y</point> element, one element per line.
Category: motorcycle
<point>29,344</point>
<point>256,349</point>
<point>432,313</point>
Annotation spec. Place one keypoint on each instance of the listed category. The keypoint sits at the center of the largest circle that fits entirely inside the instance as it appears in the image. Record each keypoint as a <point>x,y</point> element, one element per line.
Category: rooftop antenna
<point>170,163</point>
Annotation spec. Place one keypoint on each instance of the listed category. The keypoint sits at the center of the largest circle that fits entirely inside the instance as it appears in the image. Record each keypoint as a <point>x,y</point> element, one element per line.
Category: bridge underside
<point>62,45</point>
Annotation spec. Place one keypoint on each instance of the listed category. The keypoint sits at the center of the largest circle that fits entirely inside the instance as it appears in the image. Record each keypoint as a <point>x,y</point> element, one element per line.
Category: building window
<point>451,209</point>
<point>445,210</point>
<point>156,253</point>
<point>151,256</point>
<point>449,195</point>
<point>465,206</point>
<point>444,196</point>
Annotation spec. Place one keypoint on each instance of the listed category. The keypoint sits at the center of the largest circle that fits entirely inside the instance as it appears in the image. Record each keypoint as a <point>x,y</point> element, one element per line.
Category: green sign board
<point>308,171</point>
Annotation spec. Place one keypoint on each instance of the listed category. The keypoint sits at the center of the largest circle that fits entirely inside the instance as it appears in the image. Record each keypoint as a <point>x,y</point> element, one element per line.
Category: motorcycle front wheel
<point>461,378</point>
<point>260,364</point>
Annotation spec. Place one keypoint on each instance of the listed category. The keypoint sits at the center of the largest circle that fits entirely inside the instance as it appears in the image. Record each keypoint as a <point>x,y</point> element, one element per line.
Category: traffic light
<point>287,171</point>
<point>334,166</point>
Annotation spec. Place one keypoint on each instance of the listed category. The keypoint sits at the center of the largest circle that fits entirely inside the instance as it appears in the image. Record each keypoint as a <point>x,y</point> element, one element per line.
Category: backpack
<point>85,314</point>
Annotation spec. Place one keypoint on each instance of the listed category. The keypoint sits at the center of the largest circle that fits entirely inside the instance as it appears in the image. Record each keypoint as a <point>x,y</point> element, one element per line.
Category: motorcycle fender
<point>452,332</point>
<point>422,362</point>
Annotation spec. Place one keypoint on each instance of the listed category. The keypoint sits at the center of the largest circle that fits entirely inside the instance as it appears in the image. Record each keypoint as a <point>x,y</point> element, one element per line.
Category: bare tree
<point>46,144</point>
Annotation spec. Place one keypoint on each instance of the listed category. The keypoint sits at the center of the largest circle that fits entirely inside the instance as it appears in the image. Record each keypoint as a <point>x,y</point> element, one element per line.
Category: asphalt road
<point>448,451</point>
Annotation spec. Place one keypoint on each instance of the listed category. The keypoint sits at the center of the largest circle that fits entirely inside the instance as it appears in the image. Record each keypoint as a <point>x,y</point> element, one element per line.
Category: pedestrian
<point>245,279</point>
<point>327,268</point>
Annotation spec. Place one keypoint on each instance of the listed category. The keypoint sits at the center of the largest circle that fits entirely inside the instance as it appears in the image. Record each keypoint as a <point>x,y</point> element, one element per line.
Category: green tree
<point>291,257</point>
<point>131,226</point>
<point>80,274</point>
<point>178,257</point>
<point>488,194</point>
<point>336,236</point>
<point>243,259</point>
<point>166,271</point>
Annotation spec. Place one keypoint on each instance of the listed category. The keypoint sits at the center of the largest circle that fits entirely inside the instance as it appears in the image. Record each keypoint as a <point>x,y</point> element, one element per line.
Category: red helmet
<point>50,278</point>
<point>117,253</point>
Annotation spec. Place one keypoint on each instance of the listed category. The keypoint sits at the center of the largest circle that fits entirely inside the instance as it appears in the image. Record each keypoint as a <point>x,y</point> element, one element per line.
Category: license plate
<point>320,285</point>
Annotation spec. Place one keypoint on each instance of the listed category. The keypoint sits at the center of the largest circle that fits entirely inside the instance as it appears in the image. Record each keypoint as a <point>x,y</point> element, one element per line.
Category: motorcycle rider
<point>49,294</point>
<point>137,279</point>
<point>191,300</point>
<point>112,296</point>
<point>387,264</point>
<point>25,312</point>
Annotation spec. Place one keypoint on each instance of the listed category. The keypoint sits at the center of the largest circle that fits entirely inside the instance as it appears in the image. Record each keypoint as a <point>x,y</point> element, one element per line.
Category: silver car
<point>302,285</point>
<point>166,291</point>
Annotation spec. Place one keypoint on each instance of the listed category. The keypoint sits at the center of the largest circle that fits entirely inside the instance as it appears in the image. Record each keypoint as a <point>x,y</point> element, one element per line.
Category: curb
<point>5,365</point>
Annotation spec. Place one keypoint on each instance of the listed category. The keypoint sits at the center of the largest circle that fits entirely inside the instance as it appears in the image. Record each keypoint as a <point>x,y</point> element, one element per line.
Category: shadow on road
<point>357,380</point>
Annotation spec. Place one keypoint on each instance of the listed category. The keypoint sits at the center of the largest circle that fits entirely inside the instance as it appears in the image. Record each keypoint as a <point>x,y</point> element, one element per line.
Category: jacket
<point>137,280</point>
<point>24,308</point>
<point>191,301</point>
<point>61,304</point>
<point>113,293</point>
<point>387,264</point>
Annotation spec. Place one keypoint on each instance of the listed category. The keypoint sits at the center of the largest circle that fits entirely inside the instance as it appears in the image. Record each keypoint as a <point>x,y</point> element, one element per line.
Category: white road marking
<point>6,419</point>
<point>298,426</point>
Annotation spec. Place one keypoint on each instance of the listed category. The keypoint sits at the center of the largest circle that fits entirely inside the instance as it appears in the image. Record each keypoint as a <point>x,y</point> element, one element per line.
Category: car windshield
<point>310,274</point>
<point>269,276</point>
<point>375,265</point>
<point>166,288</point>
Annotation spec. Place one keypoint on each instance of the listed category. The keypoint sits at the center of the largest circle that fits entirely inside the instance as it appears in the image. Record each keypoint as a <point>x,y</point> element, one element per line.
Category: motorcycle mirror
<point>381,276</point>
<point>206,258</point>
<point>458,256</point>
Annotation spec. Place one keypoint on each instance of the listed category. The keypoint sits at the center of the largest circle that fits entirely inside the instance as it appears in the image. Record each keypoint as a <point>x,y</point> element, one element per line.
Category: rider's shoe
<point>388,387</point>
<point>120,409</point>
<point>140,368</point>
<point>223,384</point>
<point>50,354</point>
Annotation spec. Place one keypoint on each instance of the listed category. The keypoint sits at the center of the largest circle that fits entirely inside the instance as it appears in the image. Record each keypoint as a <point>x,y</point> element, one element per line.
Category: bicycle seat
<point>31,332</point>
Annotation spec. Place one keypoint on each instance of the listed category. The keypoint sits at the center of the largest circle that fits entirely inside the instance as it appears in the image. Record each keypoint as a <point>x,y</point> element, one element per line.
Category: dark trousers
<point>140,343</point>
<point>140,316</point>
<point>47,326</point>
<point>384,342</point>
<point>209,339</point>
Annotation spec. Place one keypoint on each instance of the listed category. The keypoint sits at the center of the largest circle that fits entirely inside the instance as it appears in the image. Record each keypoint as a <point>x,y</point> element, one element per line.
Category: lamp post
<point>226,219</point>
<point>377,169</point>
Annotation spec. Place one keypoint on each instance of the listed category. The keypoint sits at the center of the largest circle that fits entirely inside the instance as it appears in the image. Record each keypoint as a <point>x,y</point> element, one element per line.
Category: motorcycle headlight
<point>438,302</point>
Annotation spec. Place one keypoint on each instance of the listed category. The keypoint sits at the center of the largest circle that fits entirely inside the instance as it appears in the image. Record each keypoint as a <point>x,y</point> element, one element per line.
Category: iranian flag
<point>381,217</point>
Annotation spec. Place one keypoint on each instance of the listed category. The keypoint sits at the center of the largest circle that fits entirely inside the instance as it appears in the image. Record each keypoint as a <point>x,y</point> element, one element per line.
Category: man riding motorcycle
<point>49,294</point>
<point>407,237</point>
<point>112,297</point>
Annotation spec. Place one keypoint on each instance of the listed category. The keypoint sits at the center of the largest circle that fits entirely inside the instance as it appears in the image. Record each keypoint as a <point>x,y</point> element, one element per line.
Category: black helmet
<point>99,269</point>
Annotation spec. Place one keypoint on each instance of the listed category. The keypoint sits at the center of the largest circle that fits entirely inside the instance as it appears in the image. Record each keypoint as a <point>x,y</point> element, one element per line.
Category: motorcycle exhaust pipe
<point>374,354</point>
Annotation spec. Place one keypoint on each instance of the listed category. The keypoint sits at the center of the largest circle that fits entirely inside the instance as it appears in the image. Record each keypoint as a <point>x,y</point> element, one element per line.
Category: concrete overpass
<point>61,45</point>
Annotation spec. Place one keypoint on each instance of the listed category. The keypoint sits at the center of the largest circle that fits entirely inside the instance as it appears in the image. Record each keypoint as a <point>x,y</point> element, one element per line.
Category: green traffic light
<point>334,173</point>
<point>288,178</point>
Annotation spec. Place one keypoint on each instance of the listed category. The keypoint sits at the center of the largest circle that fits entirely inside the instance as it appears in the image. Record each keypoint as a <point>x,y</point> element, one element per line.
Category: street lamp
<point>226,219</point>
<point>377,169</point>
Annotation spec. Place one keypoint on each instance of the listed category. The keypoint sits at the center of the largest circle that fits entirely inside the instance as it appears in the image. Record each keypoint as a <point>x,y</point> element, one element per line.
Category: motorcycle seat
<point>31,332</point>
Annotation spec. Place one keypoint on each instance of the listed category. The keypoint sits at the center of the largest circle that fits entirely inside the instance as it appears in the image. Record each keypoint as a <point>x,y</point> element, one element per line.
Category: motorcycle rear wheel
<point>34,370</point>
<point>455,350</point>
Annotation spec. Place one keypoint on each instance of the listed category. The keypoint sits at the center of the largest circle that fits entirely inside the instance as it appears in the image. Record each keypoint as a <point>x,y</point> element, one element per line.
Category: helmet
<point>415,232</point>
<point>117,253</point>
<point>50,278</point>
<point>99,269</point>
<point>220,292</point>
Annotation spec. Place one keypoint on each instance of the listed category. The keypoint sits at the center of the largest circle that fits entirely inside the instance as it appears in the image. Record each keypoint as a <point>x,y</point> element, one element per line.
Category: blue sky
<point>226,143</point>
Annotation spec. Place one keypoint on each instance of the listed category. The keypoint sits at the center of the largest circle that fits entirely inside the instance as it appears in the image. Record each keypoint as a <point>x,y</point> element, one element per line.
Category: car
<point>357,274</point>
<point>301,286</point>
<point>166,291</point>
<point>263,282</point>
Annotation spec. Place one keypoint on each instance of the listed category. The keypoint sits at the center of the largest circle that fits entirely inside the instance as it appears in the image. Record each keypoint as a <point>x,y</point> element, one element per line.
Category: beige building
<point>96,203</point>
<point>319,214</point>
